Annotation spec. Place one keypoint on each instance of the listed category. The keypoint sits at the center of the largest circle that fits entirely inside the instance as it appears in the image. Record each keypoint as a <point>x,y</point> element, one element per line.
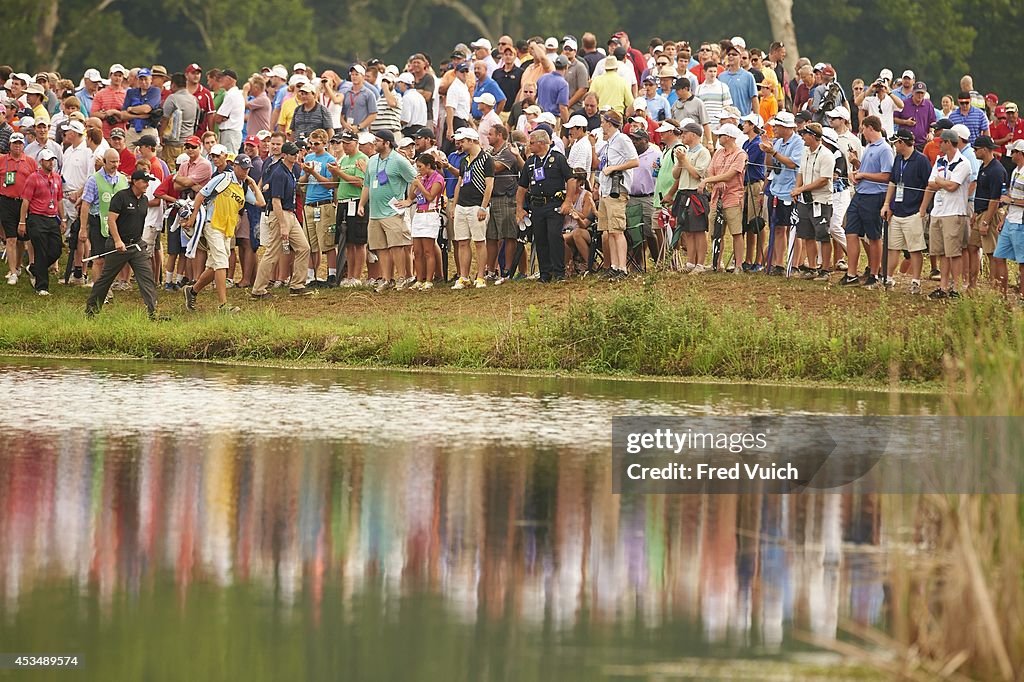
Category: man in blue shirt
<point>910,172</point>
<point>658,106</point>
<point>138,107</point>
<point>741,84</point>
<point>553,90</point>
<point>970,116</point>
<point>319,210</point>
<point>485,83</point>
<point>864,217</point>
<point>783,160</point>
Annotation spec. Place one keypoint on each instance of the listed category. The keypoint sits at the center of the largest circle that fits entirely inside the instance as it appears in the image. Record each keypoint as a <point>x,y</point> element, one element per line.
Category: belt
<point>319,203</point>
<point>641,196</point>
<point>426,210</point>
<point>541,200</point>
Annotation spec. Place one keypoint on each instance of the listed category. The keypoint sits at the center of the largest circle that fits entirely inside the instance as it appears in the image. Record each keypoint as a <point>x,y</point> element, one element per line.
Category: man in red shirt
<point>108,102</point>
<point>1007,128</point>
<point>118,144</point>
<point>42,219</point>
<point>15,170</point>
<point>194,76</point>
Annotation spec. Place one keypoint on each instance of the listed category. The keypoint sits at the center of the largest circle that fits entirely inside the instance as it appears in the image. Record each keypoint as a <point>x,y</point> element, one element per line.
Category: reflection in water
<point>525,534</point>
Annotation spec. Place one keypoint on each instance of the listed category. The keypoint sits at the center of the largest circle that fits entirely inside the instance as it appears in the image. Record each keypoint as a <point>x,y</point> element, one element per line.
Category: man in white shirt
<point>414,107</point>
<point>231,114</point>
<point>488,120</point>
<point>457,105</point>
<point>482,52</point>
<point>581,153</point>
<point>880,101</point>
<point>78,166</point>
<point>948,185</point>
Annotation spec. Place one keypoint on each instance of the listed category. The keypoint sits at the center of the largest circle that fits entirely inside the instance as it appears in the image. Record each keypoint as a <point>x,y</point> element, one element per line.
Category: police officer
<point>542,185</point>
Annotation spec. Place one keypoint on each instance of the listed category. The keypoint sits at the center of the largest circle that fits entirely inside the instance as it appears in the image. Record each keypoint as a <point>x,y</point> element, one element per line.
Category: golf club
<point>135,246</point>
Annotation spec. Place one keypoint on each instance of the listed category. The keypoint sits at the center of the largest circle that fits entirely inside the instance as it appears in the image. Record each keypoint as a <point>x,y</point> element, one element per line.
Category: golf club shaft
<point>103,255</point>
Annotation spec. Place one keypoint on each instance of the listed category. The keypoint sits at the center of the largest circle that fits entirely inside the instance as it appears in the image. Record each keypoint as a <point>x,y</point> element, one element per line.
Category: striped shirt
<point>716,97</point>
<point>388,118</point>
<point>975,121</point>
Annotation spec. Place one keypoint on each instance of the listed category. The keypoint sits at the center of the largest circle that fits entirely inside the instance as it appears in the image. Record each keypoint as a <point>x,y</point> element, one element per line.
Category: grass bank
<point>719,326</point>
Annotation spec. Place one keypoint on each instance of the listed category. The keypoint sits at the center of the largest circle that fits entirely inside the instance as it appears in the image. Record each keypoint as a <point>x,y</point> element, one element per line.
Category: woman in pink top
<point>725,178</point>
<point>425,194</point>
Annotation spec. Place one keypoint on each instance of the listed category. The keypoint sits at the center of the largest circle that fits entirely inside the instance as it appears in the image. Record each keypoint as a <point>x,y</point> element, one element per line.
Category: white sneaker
<point>480,283</point>
<point>915,287</point>
<point>42,292</point>
<point>427,286</point>
<point>688,268</point>
<point>461,283</point>
<point>415,286</point>
<point>535,276</point>
<point>698,269</point>
<point>500,281</point>
<point>12,278</point>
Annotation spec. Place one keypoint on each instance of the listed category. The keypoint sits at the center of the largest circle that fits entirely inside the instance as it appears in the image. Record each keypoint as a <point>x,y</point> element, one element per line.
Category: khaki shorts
<point>985,242</point>
<point>468,226</point>
<point>733,219</point>
<point>218,248</point>
<point>906,234</point>
<point>386,233</point>
<point>611,214</point>
<point>320,233</point>
<point>947,235</point>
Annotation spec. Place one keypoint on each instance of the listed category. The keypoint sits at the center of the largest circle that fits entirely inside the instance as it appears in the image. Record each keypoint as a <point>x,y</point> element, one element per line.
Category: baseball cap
<point>482,43</point>
<point>348,136</point>
<point>147,141</point>
<point>26,122</point>
<point>366,137</point>
<point>406,78</point>
<point>1000,111</point>
<point>640,103</point>
<point>839,112</point>
<point>962,130</point>
<point>830,136</point>
<point>783,119</point>
<point>639,133</point>
<point>35,89</point>
<point>405,142</point>
<point>754,119</point>
<point>280,72</point>
<point>984,142</point>
<point>682,84</point>
<point>142,175</point>
<point>903,135</point>
<point>729,130</point>
<point>533,109</point>
<point>299,66</point>
<point>1015,146</point>
<point>694,128</point>
<point>425,132</point>
<point>143,72</point>
<point>908,74</point>
<point>193,140</point>
<point>289,148</point>
<point>74,127</point>
<point>576,121</point>
<point>466,134</point>
<point>819,66</point>
<point>885,74</point>
<point>117,132</point>
<point>253,140</point>
<point>93,76</point>
<point>263,135</point>
<point>804,116</point>
<point>547,117</point>
<point>358,68</point>
<point>739,42</point>
<point>17,137</point>
<point>942,124</point>
<point>812,129</point>
<point>668,126</point>
<point>218,150</point>
<point>229,73</point>
<point>570,43</point>
<point>46,155</point>
<point>920,86</point>
<point>117,68</point>
<point>463,67</point>
<point>486,98</point>
<point>650,80</point>
<point>243,160</point>
<point>297,79</point>
<point>386,135</point>
<point>193,68</point>
<point>307,87</point>
<point>551,44</point>
<point>23,77</point>
<point>181,160</point>
<point>1010,106</point>
<point>561,62</point>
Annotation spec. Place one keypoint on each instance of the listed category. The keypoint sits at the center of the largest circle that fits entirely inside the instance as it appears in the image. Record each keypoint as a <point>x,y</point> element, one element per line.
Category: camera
<point>618,179</point>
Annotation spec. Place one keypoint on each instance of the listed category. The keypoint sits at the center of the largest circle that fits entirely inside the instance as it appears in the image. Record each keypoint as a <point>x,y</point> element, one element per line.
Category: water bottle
<point>286,246</point>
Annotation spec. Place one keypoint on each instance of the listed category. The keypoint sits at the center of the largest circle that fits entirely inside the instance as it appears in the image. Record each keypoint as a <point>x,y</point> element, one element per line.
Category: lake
<point>194,522</point>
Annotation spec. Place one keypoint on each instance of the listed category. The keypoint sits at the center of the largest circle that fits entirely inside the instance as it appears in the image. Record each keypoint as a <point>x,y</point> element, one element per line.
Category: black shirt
<point>131,214</point>
<point>472,178</point>
<point>509,81</point>
<point>913,174</point>
<point>991,179</point>
<point>282,186</point>
<point>592,59</point>
<point>556,174</point>
<point>427,84</point>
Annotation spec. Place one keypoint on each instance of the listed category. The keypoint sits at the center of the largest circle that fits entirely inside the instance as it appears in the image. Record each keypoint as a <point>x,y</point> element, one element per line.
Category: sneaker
<point>935,276</point>
<point>77,281</point>
<point>461,283</point>
<point>803,269</point>
<point>480,283</point>
<point>953,293</point>
<point>190,298</point>
<point>12,278</point>
<point>229,283</point>
<point>535,276</point>
<point>841,265</point>
<point>915,287</point>
<point>301,292</point>
<point>384,285</point>
<point>278,285</point>
<point>823,275</point>
<point>778,271</point>
<point>698,269</point>
<point>109,298</point>
<point>746,267</point>
<point>491,276</point>
<point>428,285</point>
<point>332,281</point>
<point>938,295</point>
<point>42,292</point>
<point>890,283</point>
<point>170,287</point>
<point>808,274</point>
<point>730,268</point>
<point>688,268</point>
<point>871,282</point>
<point>228,308</point>
<point>500,280</point>
<point>416,286</point>
<point>261,297</point>
<point>850,281</point>
<point>756,267</point>
<point>400,284</point>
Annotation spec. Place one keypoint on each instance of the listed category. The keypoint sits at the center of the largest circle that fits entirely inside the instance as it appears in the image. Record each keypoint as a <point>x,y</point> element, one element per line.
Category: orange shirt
<point>931,150</point>
<point>769,107</point>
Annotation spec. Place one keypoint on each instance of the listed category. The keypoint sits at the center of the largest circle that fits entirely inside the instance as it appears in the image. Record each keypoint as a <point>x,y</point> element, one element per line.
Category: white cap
<point>405,142</point>
<point>481,43</point>
<point>830,135</point>
<point>24,77</point>
<point>783,119</point>
<point>839,112</point>
<point>570,43</point>
<point>297,79</point>
<point>366,137</point>
<point>486,98</point>
<point>407,78</point>
<point>551,44</point>
<point>118,67</point>
<point>218,150</point>
<point>547,117</point>
<point>358,68</point>
<point>280,72</point>
<point>962,131</point>
<point>466,134</point>
<point>46,155</point>
<point>885,74</point>
<point>93,76</point>
<point>27,122</point>
<point>666,127</point>
<point>1015,146</point>
<point>755,119</point>
<point>263,135</point>
<point>74,127</point>
<point>393,70</point>
<point>908,74</point>
<point>640,103</point>
<point>819,66</point>
<point>729,130</point>
<point>182,159</point>
<point>299,66</point>
<point>739,42</point>
<point>576,121</point>
<point>307,87</point>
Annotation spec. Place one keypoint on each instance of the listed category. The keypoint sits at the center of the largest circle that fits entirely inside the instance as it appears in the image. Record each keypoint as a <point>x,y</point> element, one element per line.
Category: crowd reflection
<point>535,536</point>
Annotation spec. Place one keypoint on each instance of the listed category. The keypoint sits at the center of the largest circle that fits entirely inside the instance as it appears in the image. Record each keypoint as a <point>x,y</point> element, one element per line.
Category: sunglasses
<point>191,146</point>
